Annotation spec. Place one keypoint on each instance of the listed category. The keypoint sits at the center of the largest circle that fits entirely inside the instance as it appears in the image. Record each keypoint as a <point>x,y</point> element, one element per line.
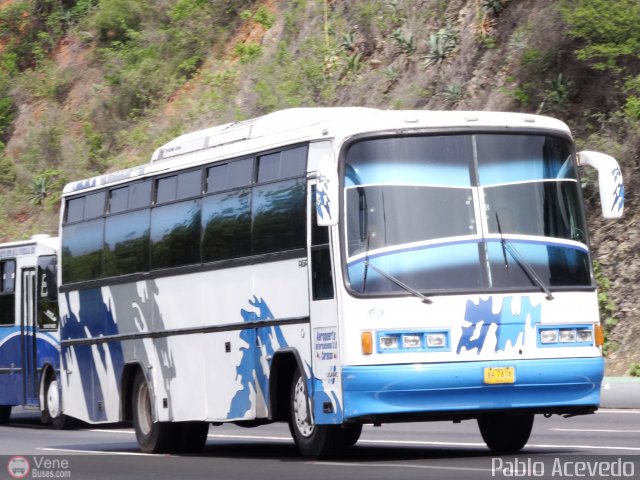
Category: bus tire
<point>313,441</point>
<point>350,434</point>
<point>505,433</point>
<point>153,437</point>
<point>192,436</point>
<point>52,405</point>
<point>5,413</point>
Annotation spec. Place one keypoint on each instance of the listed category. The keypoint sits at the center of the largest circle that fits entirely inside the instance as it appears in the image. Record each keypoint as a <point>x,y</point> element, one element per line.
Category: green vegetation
<point>606,306</point>
<point>441,44</point>
<point>634,371</point>
<point>609,30</point>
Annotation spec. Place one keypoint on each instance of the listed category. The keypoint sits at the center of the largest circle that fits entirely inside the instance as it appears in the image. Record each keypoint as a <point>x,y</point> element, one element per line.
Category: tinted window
<point>126,243</point>
<point>75,209</point>
<point>288,163</point>
<point>189,184</point>
<point>139,195</point>
<point>82,247</point>
<point>7,297</point>
<point>167,188</point>
<point>278,213</point>
<point>229,175</point>
<point>94,205</point>
<point>226,218</point>
<point>118,200</point>
<point>7,277</point>
<point>175,235</point>
<point>47,292</point>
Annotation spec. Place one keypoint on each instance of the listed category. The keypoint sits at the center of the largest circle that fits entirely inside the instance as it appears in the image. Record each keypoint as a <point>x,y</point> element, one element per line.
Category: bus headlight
<point>411,341</point>
<point>548,336</point>
<point>436,340</point>
<point>585,335</point>
<point>388,342</point>
<point>567,335</point>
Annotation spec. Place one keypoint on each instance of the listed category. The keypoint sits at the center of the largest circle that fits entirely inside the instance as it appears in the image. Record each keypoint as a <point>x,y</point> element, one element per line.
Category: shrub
<point>610,30</point>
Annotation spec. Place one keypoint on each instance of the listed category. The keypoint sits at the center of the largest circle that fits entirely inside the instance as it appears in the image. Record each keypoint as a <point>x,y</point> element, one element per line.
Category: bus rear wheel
<point>505,433</point>
<point>5,413</point>
<point>153,437</point>
<point>313,440</point>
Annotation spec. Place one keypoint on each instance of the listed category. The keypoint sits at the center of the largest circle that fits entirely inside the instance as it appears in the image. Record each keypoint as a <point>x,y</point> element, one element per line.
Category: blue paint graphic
<point>618,194</point>
<point>250,366</point>
<point>509,327</point>
<point>323,202</point>
<point>98,317</point>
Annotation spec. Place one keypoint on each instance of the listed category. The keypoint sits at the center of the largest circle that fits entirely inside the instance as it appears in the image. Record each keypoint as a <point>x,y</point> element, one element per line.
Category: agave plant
<point>440,45</point>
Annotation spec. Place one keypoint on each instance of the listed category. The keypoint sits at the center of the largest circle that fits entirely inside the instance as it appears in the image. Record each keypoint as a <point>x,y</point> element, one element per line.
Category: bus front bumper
<point>457,390</point>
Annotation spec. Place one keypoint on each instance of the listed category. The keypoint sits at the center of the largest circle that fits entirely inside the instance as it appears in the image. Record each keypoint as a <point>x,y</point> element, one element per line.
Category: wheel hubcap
<point>53,399</point>
<point>301,410</point>
<point>144,410</point>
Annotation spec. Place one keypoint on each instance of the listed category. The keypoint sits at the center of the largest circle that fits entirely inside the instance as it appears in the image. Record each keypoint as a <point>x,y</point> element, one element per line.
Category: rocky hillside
<point>89,86</point>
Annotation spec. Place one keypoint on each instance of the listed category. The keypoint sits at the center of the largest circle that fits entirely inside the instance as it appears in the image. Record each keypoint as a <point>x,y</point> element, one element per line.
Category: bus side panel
<point>187,333</point>
<point>10,366</point>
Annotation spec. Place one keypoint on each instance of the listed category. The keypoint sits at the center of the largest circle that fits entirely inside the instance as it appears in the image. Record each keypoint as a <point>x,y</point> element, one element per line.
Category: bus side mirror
<point>609,180</point>
<point>327,192</point>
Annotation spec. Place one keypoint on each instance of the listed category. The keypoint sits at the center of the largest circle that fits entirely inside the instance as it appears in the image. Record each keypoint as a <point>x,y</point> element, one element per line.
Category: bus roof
<point>299,125</point>
<point>28,247</point>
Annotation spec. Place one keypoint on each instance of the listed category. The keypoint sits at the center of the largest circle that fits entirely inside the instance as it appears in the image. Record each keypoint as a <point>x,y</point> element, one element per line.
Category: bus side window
<point>321,272</point>
<point>48,292</point>
<point>7,292</point>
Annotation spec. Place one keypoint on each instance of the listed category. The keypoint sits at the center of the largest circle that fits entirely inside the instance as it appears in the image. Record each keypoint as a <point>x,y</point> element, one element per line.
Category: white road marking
<point>99,452</point>
<point>400,442</point>
<point>592,430</point>
<point>400,465</point>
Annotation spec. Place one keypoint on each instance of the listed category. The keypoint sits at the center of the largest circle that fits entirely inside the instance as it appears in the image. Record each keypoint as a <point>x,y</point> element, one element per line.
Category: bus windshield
<point>464,212</point>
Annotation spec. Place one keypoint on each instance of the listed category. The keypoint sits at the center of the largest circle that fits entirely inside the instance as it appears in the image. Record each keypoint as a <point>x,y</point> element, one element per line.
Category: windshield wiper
<point>402,285</point>
<point>522,262</point>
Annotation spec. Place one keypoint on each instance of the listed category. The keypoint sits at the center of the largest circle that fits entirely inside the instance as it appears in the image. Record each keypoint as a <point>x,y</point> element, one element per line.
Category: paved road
<point>609,438</point>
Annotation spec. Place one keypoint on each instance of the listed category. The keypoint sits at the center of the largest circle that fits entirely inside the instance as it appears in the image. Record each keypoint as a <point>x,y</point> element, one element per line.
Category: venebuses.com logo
<point>38,467</point>
<point>18,467</point>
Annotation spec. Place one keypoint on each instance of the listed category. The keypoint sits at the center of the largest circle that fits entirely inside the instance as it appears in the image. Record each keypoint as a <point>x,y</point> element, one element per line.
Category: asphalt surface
<point>607,440</point>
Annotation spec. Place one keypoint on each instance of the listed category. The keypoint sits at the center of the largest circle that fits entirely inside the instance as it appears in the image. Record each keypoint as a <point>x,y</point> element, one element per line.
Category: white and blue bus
<point>332,268</point>
<point>29,340</point>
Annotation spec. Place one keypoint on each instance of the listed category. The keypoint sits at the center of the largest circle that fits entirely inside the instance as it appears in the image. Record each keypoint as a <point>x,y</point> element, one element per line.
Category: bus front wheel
<point>5,413</point>
<point>505,433</point>
<point>52,408</point>
<point>153,437</point>
<point>313,440</point>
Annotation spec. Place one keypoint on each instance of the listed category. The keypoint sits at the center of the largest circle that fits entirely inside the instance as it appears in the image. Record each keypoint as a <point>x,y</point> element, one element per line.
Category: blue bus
<point>29,337</point>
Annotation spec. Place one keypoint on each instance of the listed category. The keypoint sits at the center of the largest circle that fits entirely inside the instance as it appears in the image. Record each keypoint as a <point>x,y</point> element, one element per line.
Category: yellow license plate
<point>493,375</point>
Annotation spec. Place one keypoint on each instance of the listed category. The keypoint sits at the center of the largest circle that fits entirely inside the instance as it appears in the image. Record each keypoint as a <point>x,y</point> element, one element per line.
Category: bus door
<point>28,330</point>
<point>324,316</point>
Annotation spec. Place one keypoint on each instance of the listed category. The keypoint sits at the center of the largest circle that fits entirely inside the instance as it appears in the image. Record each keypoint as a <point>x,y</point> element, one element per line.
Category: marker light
<point>599,332</point>
<point>366,340</point>
<point>411,341</point>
